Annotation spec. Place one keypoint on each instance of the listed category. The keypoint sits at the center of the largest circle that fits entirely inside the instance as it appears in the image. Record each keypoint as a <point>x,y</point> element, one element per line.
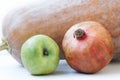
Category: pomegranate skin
<point>90,52</point>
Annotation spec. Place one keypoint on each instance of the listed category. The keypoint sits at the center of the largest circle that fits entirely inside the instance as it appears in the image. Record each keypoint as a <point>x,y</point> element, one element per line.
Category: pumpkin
<point>54,18</point>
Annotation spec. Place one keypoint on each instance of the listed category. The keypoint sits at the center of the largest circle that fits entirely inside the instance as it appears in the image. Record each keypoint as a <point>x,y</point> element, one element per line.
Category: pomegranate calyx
<point>79,33</point>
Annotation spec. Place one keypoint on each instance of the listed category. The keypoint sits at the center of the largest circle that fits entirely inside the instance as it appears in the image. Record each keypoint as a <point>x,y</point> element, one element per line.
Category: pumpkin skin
<point>54,18</point>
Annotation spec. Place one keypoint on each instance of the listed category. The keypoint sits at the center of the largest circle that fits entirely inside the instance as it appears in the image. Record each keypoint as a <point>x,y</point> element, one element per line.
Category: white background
<point>11,70</point>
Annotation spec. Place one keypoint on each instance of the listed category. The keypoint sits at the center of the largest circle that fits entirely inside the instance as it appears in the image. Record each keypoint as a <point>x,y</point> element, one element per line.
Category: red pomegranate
<point>88,47</point>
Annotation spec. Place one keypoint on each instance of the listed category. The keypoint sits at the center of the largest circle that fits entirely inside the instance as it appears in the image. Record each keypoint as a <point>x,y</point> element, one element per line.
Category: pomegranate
<point>88,47</point>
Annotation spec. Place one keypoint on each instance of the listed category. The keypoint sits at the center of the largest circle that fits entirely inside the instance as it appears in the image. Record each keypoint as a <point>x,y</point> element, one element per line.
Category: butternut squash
<point>55,17</point>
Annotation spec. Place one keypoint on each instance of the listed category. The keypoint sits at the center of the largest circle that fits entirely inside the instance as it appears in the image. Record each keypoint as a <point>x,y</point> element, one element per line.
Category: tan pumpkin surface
<point>55,17</point>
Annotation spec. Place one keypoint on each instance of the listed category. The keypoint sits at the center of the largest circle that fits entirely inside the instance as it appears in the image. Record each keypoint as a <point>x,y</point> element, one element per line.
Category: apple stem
<point>4,45</point>
<point>45,52</point>
<point>79,33</point>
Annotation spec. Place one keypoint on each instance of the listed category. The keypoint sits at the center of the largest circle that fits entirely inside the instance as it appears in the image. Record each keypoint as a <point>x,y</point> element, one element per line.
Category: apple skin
<point>40,55</point>
<point>90,52</point>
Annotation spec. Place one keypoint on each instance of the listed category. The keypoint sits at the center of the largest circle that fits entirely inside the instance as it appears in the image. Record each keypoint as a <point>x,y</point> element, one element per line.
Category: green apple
<point>40,54</point>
